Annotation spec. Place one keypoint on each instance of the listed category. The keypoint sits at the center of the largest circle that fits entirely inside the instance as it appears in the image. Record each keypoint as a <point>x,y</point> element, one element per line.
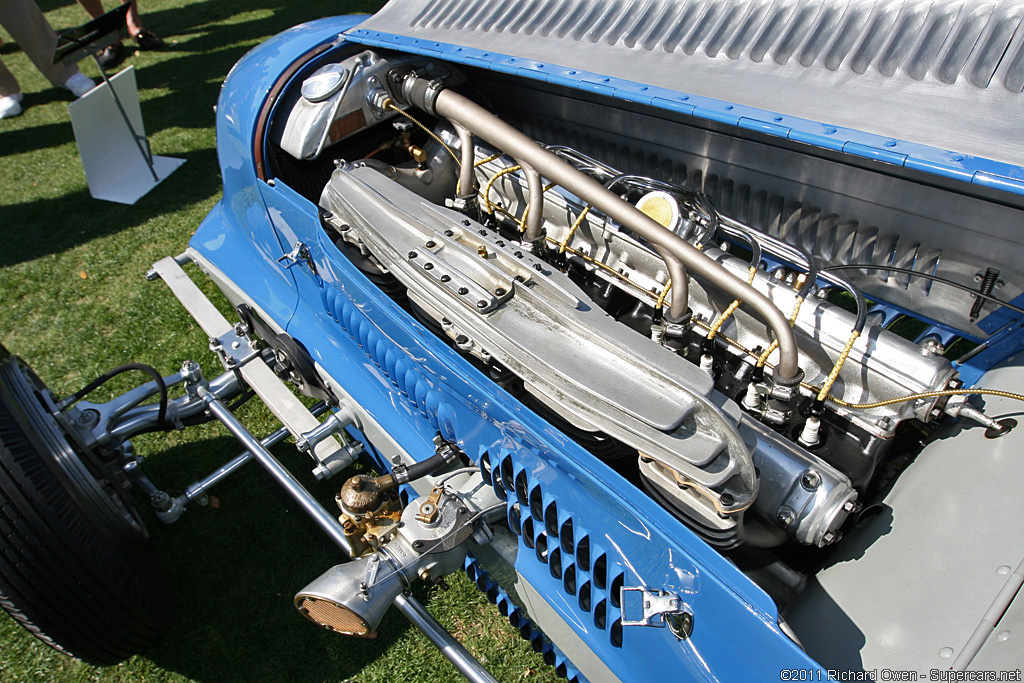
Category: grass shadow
<point>235,596</point>
<point>76,303</point>
<point>49,226</point>
<point>25,140</point>
<point>203,44</point>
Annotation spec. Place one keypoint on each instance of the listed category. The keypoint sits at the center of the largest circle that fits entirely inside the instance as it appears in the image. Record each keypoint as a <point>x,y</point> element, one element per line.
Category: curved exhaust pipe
<point>678,254</point>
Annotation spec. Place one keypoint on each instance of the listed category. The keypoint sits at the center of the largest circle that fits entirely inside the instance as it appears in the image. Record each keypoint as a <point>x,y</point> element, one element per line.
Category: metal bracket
<point>428,508</point>
<point>328,467</point>
<point>332,425</point>
<point>372,568</point>
<point>235,347</point>
<point>676,330</point>
<point>448,450</point>
<point>299,253</point>
<point>658,606</point>
<point>376,97</point>
<point>256,373</point>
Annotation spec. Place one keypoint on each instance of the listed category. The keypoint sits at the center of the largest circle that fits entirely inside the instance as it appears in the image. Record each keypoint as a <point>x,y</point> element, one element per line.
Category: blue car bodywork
<point>416,386</point>
<point>581,534</point>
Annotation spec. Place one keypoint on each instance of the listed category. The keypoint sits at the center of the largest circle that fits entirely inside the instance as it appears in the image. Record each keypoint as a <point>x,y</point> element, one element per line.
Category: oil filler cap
<point>662,207</point>
<point>324,83</point>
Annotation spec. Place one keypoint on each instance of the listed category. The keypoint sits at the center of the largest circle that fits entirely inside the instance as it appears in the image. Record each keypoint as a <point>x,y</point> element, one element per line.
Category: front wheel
<point>76,567</point>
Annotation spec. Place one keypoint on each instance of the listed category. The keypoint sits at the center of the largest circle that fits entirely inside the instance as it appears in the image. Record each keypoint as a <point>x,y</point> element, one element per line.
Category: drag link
<point>197,490</point>
<point>451,648</point>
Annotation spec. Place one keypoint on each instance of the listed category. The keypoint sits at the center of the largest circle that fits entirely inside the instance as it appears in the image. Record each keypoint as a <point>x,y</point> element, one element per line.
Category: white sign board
<point>115,168</point>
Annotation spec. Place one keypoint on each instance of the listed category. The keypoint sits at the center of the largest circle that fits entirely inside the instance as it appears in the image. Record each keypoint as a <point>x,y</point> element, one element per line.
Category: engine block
<point>569,309</point>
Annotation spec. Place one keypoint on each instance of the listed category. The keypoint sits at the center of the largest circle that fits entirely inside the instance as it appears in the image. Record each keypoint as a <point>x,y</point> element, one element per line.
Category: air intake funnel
<point>340,601</point>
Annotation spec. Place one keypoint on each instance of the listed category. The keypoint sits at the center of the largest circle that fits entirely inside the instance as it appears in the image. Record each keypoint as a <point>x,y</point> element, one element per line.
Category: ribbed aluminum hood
<point>948,75</point>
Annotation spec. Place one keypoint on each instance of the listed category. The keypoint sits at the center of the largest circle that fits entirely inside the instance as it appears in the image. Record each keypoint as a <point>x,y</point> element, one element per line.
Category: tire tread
<point>72,586</point>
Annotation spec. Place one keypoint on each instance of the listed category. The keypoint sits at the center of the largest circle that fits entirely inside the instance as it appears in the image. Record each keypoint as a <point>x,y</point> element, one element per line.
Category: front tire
<point>76,567</point>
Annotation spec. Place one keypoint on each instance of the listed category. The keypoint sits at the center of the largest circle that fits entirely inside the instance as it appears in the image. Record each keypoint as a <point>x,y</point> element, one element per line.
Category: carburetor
<point>370,512</point>
<point>391,548</point>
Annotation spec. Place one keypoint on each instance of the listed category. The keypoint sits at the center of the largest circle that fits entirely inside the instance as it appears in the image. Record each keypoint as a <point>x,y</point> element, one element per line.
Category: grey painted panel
<point>908,588</point>
<point>1002,651</point>
<point>947,73</point>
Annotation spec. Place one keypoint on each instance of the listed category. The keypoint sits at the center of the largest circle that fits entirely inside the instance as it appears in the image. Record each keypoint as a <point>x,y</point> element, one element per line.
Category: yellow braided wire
<point>660,303</point>
<point>763,358</point>
<point>729,311</point>
<point>486,193</point>
<point>928,394</point>
<point>573,228</point>
<point>892,401</point>
<point>827,384</point>
<point>488,159</point>
<point>388,104</point>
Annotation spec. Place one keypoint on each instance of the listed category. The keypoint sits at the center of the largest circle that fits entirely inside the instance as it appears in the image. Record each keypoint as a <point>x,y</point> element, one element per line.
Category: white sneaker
<point>10,105</point>
<point>79,84</point>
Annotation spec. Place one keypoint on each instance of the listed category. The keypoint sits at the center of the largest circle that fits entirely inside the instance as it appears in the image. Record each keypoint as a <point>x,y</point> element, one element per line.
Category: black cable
<point>107,376</point>
<point>862,307</point>
<point>933,278</point>
<point>421,469</point>
<point>812,273</point>
<point>199,419</point>
<point>711,211</point>
<point>749,238</point>
<point>446,454</point>
<point>802,257</point>
<point>205,417</point>
<point>798,255</point>
<point>241,400</point>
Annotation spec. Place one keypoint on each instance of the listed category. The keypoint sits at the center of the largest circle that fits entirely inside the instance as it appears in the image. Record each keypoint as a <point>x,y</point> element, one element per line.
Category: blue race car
<point>689,330</point>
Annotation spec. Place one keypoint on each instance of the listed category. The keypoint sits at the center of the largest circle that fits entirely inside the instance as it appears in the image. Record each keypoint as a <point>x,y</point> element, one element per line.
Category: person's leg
<point>10,92</point>
<point>146,39</point>
<point>143,37</point>
<point>133,20</point>
<point>8,83</point>
<point>28,26</point>
<point>113,54</point>
<point>93,8</point>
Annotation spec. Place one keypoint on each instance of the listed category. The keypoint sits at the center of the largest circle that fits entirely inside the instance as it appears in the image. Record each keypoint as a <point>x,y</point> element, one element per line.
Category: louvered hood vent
<point>944,74</point>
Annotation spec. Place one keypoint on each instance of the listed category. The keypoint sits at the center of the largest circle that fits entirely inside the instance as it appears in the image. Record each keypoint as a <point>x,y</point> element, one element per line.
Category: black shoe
<point>111,55</point>
<point>147,40</point>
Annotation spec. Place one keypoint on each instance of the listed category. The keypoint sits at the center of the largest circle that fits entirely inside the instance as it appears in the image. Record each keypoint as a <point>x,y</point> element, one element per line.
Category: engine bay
<point>528,246</point>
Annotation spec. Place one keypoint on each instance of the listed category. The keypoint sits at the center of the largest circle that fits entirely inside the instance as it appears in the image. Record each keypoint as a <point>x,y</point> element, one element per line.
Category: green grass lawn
<point>75,303</point>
